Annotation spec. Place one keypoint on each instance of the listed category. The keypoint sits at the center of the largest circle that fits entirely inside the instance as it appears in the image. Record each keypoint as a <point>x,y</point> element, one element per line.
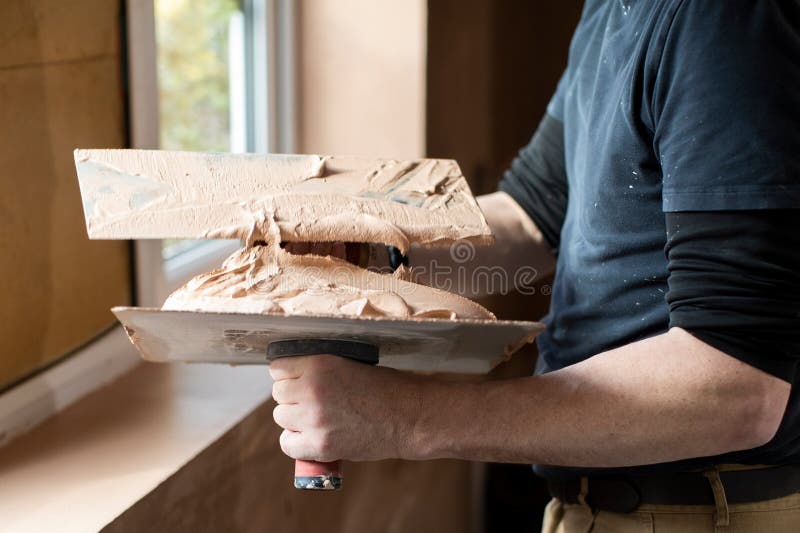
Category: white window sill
<point>88,464</point>
<point>26,405</point>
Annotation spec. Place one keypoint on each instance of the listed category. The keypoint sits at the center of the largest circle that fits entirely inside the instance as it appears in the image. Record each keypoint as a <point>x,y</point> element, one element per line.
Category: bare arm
<point>665,398</point>
<point>520,254</point>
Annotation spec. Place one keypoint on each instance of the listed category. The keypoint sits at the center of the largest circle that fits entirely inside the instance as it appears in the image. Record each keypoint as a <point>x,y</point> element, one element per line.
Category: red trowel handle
<point>313,475</point>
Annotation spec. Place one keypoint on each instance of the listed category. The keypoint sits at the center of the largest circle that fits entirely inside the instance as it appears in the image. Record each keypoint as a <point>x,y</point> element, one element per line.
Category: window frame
<point>270,27</point>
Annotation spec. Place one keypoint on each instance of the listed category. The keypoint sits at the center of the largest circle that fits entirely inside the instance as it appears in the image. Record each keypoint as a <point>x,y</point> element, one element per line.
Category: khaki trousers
<point>768,516</point>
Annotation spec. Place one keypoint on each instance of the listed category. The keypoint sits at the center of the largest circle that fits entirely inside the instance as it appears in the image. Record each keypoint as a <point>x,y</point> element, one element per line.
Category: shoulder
<point>725,106</point>
<point>737,50</point>
<point>740,24</point>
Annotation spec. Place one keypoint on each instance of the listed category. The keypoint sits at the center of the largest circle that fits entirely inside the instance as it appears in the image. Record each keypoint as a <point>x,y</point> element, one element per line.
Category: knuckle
<point>275,369</point>
<point>327,361</point>
<point>316,417</point>
<point>316,364</point>
<point>311,387</point>
<point>324,445</point>
<point>315,392</point>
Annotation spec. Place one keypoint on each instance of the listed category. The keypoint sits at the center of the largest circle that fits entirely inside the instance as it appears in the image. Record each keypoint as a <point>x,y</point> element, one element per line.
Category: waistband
<point>624,494</point>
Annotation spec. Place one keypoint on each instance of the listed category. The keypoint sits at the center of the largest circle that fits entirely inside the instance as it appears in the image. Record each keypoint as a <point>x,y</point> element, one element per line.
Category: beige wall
<point>492,67</point>
<point>60,87</point>
<point>362,77</point>
<point>362,92</point>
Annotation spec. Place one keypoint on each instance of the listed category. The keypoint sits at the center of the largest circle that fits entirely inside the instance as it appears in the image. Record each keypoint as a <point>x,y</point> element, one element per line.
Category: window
<point>200,55</point>
<point>217,65</point>
<point>200,58</point>
<point>233,95</point>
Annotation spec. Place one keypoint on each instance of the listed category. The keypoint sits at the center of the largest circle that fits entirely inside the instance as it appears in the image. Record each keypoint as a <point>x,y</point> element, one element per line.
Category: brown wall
<point>60,88</point>
<point>242,483</point>
<point>492,67</point>
<point>362,77</point>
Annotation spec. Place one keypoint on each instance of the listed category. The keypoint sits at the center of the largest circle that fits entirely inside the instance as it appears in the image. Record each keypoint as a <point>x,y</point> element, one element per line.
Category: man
<point>665,182</point>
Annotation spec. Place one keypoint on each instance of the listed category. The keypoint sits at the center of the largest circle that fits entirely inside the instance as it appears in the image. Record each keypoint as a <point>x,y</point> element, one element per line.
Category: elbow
<point>760,414</point>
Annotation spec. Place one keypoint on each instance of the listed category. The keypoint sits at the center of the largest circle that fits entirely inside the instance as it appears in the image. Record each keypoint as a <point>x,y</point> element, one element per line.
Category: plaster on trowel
<point>263,300</point>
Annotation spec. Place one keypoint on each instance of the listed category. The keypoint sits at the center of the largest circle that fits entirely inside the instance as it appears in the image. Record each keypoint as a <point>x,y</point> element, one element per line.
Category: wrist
<point>410,417</point>
<point>432,418</point>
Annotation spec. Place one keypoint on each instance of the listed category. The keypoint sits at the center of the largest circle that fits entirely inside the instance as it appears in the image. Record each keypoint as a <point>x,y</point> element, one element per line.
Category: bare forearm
<point>661,399</point>
<point>520,255</point>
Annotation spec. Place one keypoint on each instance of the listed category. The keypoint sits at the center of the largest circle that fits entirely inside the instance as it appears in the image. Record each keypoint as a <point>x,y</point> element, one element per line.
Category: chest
<point>615,179</point>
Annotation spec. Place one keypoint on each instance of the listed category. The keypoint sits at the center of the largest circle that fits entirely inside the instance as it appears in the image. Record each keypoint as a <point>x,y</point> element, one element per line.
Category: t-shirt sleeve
<point>537,180</point>
<point>726,106</point>
<point>734,283</point>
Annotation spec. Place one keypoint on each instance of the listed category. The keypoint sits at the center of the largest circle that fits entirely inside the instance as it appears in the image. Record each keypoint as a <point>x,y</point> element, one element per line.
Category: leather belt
<point>624,494</point>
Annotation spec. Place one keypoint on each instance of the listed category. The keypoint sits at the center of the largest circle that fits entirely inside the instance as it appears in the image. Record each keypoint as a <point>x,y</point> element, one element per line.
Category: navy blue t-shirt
<point>667,106</point>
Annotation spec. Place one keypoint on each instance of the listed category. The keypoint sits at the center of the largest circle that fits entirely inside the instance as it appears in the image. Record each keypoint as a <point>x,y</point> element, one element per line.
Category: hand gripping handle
<point>314,475</point>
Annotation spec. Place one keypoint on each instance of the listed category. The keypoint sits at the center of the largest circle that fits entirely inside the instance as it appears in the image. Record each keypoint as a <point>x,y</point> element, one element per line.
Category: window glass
<point>201,74</point>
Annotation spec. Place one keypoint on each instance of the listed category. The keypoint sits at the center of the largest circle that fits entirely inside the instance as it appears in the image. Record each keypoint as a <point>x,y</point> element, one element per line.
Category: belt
<point>624,494</point>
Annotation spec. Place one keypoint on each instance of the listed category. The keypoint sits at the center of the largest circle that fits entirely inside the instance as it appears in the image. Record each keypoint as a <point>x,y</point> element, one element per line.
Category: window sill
<point>100,362</point>
<point>88,464</point>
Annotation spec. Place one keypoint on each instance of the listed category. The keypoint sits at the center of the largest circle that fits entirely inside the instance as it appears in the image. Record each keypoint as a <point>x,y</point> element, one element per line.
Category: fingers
<point>286,368</point>
<point>306,446</point>
<point>335,249</point>
<point>292,444</point>
<point>290,417</point>
<point>295,366</point>
<point>286,391</point>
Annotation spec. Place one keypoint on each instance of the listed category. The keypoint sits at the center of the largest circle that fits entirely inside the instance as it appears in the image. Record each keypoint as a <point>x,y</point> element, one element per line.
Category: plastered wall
<point>60,87</point>
<point>362,77</point>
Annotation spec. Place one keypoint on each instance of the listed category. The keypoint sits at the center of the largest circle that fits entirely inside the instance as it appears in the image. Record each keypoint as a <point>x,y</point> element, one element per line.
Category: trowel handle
<point>313,475</point>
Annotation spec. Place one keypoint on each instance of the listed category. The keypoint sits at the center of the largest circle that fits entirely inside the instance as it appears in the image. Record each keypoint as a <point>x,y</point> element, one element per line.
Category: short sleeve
<point>726,106</point>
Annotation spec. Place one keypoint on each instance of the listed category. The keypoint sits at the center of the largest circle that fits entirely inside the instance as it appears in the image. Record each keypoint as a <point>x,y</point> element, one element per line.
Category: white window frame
<point>270,30</point>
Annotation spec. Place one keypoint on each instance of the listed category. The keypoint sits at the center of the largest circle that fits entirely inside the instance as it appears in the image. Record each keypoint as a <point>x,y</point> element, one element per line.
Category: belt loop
<point>722,514</point>
<point>584,491</point>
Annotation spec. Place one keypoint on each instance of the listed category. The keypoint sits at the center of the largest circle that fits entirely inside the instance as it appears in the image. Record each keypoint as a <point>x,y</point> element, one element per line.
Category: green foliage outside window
<point>192,59</point>
<point>192,38</point>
